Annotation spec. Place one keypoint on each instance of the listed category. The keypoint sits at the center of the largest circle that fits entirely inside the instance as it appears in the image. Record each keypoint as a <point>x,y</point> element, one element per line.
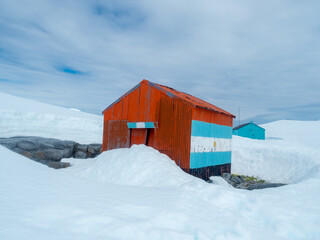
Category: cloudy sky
<point>261,56</point>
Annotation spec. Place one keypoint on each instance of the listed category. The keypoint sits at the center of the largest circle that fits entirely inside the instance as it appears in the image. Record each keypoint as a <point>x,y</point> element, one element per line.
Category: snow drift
<point>138,165</point>
<point>290,153</point>
<point>22,117</point>
<point>138,193</point>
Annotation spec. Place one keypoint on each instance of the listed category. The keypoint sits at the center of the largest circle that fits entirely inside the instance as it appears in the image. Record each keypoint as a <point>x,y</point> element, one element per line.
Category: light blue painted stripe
<point>149,125</point>
<point>132,125</point>
<point>138,124</point>
<point>206,159</point>
<point>203,129</point>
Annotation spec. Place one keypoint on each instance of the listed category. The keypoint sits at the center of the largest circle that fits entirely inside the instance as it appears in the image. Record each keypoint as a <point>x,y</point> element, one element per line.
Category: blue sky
<point>261,56</point>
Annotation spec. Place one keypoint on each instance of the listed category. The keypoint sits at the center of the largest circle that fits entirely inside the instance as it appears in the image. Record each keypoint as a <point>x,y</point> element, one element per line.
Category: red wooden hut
<point>194,133</point>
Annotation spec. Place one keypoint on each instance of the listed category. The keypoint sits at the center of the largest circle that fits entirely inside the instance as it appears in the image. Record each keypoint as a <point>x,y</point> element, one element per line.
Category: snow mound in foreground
<point>139,165</point>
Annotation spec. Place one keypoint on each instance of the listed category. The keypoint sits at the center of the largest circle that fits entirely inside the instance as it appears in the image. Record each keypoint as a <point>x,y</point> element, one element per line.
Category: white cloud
<point>255,54</point>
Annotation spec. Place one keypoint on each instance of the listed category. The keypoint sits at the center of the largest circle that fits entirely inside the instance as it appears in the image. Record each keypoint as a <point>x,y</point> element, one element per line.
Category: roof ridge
<point>198,102</point>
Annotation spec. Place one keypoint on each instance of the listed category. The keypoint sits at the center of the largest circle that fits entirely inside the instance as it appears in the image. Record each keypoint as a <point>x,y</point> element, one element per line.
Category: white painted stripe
<point>140,125</point>
<point>208,144</point>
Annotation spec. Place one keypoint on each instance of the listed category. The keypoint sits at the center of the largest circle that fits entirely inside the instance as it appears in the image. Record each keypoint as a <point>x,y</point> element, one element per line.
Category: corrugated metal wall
<point>149,103</point>
<point>205,115</point>
<point>145,103</point>
<point>211,143</point>
<point>174,132</point>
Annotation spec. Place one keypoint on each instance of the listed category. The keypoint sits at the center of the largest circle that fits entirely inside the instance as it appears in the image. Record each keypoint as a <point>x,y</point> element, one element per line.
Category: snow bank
<point>37,202</point>
<point>139,165</point>
<point>290,154</point>
<point>293,129</point>
<point>22,117</point>
<point>138,193</point>
<point>274,160</point>
<point>9,102</point>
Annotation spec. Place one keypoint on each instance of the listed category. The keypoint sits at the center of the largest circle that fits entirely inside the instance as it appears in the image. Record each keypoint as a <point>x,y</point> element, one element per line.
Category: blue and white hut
<point>250,130</point>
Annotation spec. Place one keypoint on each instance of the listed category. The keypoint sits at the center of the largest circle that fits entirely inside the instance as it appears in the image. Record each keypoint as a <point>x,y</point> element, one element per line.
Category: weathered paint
<point>251,130</point>
<point>206,172</point>
<point>206,159</point>
<point>161,117</point>
<point>204,129</point>
<point>142,125</point>
<point>197,102</point>
<point>174,132</point>
<point>118,134</point>
<point>209,144</point>
<point>138,136</point>
<point>205,115</point>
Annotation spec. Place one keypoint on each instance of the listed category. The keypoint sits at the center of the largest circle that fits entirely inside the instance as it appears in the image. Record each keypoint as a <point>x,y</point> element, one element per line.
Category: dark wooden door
<point>138,136</point>
<point>118,134</point>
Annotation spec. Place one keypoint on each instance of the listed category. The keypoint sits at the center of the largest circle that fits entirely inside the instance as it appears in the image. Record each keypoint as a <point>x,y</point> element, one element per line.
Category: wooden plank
<point>209,116</point>
<point>133,109</point>
<point>118,134</point>
<point>117,110</point>
<point>138,136</point>
<point>144,102</point>
<point>105,134</point>
<point>173,135</point>
<point>108,114</point>
<point>154,105</point>
<point>125,106</point>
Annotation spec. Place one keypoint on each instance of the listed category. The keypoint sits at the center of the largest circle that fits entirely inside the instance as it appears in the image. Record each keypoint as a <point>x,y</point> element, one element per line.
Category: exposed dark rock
<point>80,154</point>
<point>27,145</point>
<point>264,185</point>
<point>250,183</point>
<point>50,151</point>
<point>94,148</point>
<point>25,153</point>
<point>39,155</point>
<point>81,148</point>
<point>57,165</point>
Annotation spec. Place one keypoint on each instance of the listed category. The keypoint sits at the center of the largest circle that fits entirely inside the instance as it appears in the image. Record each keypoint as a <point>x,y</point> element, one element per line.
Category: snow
<point>141,163</point>
<point>23,117</point>
<point>290,153</point>
<point>139,193</point>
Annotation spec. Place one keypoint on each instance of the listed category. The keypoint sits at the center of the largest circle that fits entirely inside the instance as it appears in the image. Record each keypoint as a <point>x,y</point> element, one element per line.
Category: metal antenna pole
<point>239,114</point>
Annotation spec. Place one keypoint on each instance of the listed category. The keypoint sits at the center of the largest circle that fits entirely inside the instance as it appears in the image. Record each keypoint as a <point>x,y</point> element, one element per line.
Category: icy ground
<point>139,193</point>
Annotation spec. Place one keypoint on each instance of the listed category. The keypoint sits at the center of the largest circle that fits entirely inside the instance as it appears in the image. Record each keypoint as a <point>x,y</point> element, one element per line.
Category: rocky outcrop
<point>50,151</point>
<point>241,182</point>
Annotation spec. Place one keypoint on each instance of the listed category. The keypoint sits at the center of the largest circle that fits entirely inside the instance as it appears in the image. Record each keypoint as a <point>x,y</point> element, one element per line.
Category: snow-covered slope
<point>138,193</point>
<point>23,117</point>
<point>290,153</point>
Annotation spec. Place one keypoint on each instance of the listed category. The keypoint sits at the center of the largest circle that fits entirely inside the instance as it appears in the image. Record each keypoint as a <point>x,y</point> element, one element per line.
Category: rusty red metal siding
<point>174,131</point>
<point>117,134</point>
<point>205,115</point>
<point>138,136</point>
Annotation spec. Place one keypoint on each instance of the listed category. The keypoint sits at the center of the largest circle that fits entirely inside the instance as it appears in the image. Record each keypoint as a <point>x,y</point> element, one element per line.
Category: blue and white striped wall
<point>210,144</point>
<point>142,125</point>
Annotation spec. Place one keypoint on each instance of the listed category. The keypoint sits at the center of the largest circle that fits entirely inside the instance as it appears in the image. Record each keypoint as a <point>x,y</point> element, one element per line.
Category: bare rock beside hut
<point>248,183</point>
<point>50,151</point>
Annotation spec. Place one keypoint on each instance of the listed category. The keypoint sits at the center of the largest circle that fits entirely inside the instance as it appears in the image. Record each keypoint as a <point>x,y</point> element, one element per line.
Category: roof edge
<point>170,94</point>
<point>245,124</point>
<point>124,95</point>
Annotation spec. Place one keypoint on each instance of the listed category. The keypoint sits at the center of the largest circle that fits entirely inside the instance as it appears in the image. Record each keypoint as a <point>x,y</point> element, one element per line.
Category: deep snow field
<point>138,193</point>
